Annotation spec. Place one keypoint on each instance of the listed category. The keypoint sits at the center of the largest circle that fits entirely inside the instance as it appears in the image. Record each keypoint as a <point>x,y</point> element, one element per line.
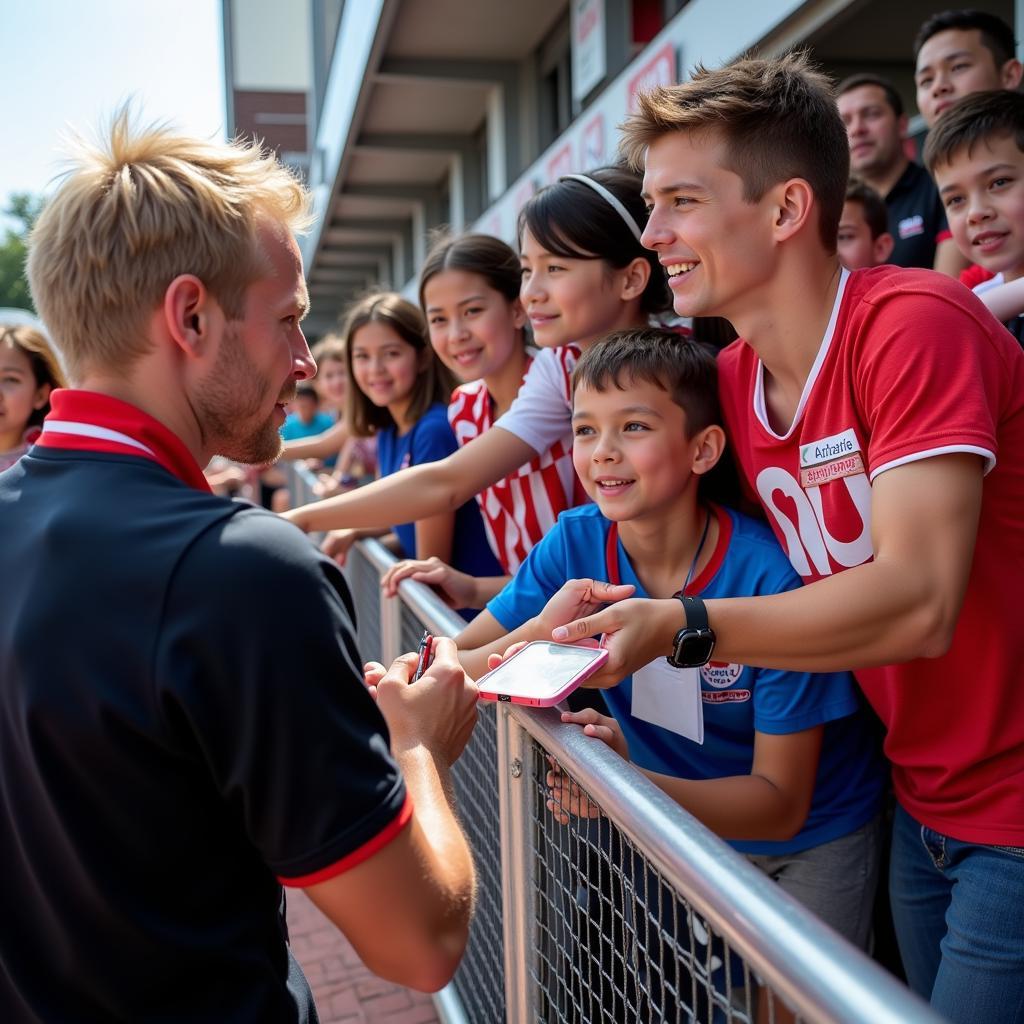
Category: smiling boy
<point>783,765</point>
<point>975,155</point>
<point>878,416</point>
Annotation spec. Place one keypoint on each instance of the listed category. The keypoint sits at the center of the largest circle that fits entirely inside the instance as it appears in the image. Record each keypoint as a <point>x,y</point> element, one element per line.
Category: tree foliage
<point>23,208</point>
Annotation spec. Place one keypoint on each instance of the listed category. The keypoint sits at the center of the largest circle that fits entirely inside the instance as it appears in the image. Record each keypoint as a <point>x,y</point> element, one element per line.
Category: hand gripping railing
<point>640,914</point>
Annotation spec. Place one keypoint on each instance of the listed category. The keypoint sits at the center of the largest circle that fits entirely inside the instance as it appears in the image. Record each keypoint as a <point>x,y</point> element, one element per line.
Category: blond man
<point>184,728</point>
<point>878,416</point>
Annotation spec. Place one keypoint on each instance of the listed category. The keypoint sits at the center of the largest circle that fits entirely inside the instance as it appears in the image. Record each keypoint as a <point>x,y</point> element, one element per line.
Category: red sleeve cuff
<point>943,236</point>
<point>357,856</point>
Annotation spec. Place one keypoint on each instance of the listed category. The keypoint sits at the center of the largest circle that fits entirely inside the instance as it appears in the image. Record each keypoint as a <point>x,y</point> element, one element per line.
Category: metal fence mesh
<point>614,941</point>
<point>480,980</point>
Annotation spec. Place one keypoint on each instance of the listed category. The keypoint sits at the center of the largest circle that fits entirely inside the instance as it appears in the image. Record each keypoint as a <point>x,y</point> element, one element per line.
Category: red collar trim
<point>91,422</point>
<point>703,578</point>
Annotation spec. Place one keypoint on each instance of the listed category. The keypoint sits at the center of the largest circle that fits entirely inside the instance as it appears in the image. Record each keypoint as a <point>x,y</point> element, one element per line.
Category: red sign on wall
<point>593,143</point>
<point>659,70</point>
<point>560,163</point>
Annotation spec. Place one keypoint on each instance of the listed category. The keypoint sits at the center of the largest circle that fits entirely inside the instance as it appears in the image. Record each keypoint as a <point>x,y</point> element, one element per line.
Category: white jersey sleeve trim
<point>540,414</point>
<point>929,453</point>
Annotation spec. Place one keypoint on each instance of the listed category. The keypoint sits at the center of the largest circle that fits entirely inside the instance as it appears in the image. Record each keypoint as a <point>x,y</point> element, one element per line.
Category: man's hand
<point>636,631</point>
<point>458,589</point>
<point>337,543</point>
<point>578,599</point>
<point>373,673</point>
<point>437,712</point>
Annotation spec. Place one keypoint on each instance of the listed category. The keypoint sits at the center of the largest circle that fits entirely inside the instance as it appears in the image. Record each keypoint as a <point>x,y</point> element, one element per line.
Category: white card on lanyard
<point>669,697</point>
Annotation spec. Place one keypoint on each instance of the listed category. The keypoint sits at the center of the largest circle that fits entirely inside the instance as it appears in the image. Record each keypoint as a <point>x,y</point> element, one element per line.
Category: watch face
<point>697,647</point>
<point>693,647</point>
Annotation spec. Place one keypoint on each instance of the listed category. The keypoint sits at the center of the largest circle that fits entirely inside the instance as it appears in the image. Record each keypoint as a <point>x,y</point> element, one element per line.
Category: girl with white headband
<point>585,274</point>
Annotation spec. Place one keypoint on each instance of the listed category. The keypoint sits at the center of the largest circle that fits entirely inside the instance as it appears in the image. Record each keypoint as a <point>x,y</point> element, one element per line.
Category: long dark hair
<point>571,220</point>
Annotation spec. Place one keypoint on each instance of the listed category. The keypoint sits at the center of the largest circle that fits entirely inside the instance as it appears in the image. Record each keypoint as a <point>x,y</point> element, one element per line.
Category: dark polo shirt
<point>917,221</point>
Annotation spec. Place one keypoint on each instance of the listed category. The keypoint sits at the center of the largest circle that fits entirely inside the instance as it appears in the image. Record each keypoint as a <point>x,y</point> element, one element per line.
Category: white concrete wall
<point>271,47</point>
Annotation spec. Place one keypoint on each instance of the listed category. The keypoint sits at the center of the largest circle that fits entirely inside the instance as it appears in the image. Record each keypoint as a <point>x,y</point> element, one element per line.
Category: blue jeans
<point>959,914</point>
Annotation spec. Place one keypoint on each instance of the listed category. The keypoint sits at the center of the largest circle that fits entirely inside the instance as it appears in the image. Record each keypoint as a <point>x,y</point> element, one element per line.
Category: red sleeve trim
<point>364,852</point>
<point>943,236</point>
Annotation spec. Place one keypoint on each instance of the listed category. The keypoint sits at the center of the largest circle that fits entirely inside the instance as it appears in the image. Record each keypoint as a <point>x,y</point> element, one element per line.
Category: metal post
<point>516,867</point>
<point>390,629</point>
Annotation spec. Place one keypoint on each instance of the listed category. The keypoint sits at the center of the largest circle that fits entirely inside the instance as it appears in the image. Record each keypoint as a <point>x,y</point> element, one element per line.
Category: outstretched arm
<point>902,605</point>
<point>1005,300</point>
<point>421,491</point>
<point>320,446</point>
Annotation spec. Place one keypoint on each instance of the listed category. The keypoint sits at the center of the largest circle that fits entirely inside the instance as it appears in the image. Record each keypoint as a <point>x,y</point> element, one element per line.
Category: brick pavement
<point>345,991</point>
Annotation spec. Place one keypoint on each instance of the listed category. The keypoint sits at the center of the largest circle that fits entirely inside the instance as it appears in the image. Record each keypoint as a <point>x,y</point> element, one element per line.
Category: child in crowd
<point>356,460</point>
<point>306,418</point>
<point>786,768</point>
<point>29,371</point>
<point>975,154</point>
<point>864,239</point>
<point>469,290</point>
<point>584,273</point>
<point>351,459</point>
<point>399,395</point>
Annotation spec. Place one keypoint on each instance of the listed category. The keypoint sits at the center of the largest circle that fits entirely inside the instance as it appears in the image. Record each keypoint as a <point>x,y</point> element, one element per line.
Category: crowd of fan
<point>554,433</point>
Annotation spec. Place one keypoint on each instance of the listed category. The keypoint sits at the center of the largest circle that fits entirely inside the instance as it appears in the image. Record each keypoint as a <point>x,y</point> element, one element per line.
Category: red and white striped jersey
<point>521,508</point>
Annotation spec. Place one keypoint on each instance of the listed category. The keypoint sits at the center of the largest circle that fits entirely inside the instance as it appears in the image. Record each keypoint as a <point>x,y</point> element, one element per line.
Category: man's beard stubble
<point>229,407</point>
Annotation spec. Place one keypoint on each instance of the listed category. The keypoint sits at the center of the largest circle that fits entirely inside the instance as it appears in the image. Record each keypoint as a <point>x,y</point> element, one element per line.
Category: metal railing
<point>637,914</point>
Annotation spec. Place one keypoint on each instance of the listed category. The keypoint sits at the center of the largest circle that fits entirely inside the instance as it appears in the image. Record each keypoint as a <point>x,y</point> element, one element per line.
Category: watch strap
<point>695,610</point>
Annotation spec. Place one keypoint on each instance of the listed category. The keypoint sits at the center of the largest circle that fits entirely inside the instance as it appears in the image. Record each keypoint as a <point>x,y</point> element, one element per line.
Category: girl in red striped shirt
<point>469,291</point>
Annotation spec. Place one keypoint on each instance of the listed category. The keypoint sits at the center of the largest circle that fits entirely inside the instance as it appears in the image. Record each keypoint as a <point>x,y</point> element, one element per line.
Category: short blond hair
<point>131,215</point>
<point>777,117</point>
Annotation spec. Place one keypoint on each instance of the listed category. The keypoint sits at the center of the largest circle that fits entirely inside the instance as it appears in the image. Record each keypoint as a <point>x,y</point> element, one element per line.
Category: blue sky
<point>73,62</point>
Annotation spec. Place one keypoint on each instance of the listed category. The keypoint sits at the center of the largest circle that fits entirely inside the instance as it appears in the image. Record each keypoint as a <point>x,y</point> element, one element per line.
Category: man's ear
<point>636,274</point>
<point>794,208</point>
<point>1010,73</point>
<point>883,246</point>
<point>187,312</point>
<point>708,445</point>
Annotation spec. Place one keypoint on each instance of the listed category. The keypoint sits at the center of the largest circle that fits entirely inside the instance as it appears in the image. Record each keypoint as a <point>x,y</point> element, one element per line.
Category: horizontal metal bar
<point>377,555</point>
<point>449,1007</point>
<point>818,972</point>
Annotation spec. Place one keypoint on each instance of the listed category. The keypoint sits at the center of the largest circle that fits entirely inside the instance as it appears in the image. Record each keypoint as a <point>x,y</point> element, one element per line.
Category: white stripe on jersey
<point>519,509</point>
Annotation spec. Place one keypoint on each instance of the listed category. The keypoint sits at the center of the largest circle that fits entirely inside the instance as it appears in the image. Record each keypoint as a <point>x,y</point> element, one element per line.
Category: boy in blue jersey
<point>781,764</point>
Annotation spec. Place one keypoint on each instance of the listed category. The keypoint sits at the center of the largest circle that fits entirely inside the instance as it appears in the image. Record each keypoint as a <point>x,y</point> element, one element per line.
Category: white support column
<point>456,193</point>
<point>497,154</point>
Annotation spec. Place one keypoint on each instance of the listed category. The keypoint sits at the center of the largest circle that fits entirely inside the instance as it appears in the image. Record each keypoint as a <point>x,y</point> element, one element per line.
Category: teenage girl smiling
<point>399,396</point>
<point>469,289</point>
<point>584,274</point>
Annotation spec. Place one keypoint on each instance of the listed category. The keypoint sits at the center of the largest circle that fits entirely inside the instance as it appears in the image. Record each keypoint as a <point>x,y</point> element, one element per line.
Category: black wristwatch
<point>695,642</point>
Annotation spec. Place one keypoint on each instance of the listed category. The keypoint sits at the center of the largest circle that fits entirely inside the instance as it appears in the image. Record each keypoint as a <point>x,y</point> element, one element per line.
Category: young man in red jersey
<point>878,417</point>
